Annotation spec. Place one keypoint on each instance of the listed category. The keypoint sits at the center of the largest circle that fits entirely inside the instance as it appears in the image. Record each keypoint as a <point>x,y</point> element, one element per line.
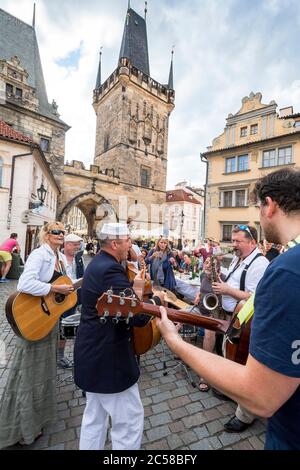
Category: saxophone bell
<point>210,301</point>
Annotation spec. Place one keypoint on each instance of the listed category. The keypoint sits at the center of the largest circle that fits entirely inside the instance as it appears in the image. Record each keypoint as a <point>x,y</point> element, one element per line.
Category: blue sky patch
<point>72,59</point>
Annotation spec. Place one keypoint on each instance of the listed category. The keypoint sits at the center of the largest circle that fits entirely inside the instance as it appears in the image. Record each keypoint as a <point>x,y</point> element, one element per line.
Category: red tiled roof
<point>180,195</point>
<point>9,133</point>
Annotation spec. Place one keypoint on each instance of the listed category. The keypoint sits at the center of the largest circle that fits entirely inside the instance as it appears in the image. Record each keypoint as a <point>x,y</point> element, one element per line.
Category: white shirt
<point>253,276</point>
<point>38,271</point>
<point>138,253</point>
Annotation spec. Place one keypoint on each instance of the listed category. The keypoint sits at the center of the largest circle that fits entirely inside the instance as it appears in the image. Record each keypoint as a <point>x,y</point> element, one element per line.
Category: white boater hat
<point>113,231</point>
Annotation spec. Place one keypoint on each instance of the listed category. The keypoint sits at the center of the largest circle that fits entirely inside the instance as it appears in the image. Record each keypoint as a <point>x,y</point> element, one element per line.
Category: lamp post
<point>181,230</point>
<point>41,192</point>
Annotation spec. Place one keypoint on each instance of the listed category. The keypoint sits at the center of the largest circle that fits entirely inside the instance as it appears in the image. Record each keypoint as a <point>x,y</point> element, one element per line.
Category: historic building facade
<point>23,171</point>
<point>32,137</point>
<point>23,98</point>
<point>256,141</point>
<point>130,163</point>
<point>128,177</point>
<point>183,214</point>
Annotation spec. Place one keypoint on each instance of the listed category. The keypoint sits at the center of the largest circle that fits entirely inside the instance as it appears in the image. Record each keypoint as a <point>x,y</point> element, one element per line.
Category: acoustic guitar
<point>122,308</point>
<point>148,336</point>
<point>32,317</point>
<point>171,298</point>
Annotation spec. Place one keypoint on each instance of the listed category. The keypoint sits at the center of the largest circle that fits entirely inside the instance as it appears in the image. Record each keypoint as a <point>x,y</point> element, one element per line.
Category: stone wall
<point>37,126</point>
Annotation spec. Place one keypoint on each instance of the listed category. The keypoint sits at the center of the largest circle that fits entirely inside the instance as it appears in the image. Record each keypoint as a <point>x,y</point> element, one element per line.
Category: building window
<point>242,162</point>
<point>243,131</point>
<point>227,201</point>
<point>239,163</point>
<point>284,155</point>
<point>226,230</point>
<point>297,124</point>
<point>1,172</point>
<point>45,144</point>
<point>234,198</point>
<point>230,165</point>
<point>145,177</point>
<point>274,157</point>
<point>240,198</point>
<point>9,89</point>
<point>254,129</point>
<point>106,142</point>
<point>269,158</point>
<point>19,92</point>
<point>226,233</point>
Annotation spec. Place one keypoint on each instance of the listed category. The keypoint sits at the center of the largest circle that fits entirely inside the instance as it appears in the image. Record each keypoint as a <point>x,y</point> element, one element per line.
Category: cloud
<point>223,51</point>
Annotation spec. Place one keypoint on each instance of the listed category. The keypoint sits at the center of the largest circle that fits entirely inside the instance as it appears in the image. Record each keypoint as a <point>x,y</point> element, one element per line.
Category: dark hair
<point>252,230</point>
<point>282,186</point>
<point>13,235</point>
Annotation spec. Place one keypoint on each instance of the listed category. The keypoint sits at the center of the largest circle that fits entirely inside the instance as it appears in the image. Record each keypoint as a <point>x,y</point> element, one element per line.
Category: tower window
<point>19,92</point>
<point>45,144</point>
<point>106,142</point>
<point>145,177</point>
<point>9,89</point>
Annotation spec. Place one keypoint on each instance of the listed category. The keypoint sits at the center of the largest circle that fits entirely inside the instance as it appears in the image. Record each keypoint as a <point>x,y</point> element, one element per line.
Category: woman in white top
<point>29,400</point>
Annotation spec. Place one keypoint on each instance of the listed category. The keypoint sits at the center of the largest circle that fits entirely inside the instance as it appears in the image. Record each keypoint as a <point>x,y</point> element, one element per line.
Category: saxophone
<point>211,301</point>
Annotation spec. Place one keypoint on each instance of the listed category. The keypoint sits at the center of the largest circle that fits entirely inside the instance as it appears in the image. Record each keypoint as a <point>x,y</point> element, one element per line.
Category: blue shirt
<point>275,339</point>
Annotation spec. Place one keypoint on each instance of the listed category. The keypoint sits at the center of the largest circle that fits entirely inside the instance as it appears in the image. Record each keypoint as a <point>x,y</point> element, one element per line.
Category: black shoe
<point>236,425</point>
<point>220,395</point>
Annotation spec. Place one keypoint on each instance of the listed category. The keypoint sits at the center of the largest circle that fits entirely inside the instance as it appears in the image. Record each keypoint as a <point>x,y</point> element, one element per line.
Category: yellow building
<point>256,141</point>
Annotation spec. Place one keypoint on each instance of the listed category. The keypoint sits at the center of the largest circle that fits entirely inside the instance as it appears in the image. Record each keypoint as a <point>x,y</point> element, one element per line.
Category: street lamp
<point>41,192</point>
<point>181,230</point>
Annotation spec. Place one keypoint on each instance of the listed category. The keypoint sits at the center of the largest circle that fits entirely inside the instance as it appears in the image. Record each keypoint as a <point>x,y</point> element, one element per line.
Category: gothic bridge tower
<point>133,112</point>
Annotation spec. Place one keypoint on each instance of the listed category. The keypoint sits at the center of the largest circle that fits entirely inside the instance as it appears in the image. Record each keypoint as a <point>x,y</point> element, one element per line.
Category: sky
<point>224,49</point>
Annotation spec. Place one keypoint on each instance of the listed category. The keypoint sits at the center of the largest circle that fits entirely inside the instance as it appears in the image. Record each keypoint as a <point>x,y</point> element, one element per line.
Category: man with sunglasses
<point>244,274</point>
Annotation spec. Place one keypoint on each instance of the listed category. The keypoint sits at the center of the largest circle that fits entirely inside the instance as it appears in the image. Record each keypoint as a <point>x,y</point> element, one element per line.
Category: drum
<point>69,325</point>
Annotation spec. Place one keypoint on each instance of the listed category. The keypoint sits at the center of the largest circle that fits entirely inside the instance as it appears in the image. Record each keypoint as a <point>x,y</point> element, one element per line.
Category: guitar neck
<point>220,326</point>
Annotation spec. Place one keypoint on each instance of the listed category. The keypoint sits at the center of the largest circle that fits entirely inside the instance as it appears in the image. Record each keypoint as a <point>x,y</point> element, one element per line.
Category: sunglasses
<point>245,228</point>
<point>57,232</point>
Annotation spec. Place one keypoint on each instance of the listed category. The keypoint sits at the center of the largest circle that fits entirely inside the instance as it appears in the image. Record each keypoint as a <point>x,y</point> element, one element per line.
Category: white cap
<point>72,238</point>
<point>114,230</point>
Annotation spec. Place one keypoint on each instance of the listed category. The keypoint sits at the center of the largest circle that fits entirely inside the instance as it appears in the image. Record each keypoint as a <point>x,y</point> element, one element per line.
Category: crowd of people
<point>106,366</point>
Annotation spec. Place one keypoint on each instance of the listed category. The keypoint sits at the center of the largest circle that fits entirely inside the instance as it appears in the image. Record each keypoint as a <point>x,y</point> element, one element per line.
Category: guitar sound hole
<point>59,298</point>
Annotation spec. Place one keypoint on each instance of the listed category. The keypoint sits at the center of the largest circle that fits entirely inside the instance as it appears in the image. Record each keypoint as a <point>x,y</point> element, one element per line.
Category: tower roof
<point>19,39</point>
<point>134,43</point>
<point>171,80</point>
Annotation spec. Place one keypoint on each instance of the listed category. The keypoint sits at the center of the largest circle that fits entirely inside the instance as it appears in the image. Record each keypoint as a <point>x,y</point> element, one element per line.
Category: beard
<point>272,235</point>
<point>237,252</point>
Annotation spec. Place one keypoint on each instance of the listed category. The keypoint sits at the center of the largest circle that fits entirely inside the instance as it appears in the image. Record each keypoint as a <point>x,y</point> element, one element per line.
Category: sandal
<point>22,442</point>
<point>203,386</point>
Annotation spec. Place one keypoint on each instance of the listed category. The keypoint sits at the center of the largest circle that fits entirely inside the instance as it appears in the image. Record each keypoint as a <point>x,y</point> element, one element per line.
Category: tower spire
<point>146,10</point>
<point>171,81</point>
<point>98,82</point>
<point>134,45</point>
<point>33,18</point>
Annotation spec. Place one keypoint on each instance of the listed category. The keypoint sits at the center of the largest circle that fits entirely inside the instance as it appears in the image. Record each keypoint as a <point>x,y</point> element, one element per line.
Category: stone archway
<point>95,208</point>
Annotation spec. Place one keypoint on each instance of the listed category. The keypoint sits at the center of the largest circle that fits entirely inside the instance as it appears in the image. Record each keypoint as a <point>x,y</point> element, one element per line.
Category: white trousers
<point>127,420</point>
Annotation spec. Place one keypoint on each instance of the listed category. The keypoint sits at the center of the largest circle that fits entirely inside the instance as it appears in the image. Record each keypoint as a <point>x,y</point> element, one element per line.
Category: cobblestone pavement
<point>177,415</point>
